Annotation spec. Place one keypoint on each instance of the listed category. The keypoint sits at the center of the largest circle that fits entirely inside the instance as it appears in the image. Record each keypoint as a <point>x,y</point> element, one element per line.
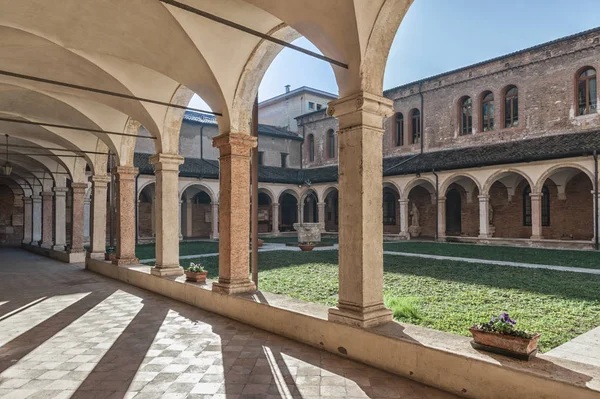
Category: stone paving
<point>66,332</point>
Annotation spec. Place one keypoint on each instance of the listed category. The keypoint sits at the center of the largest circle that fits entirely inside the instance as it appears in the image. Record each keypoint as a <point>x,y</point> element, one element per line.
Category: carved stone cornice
<point>361,109</point>
<point>125,172</point>
<point>98,180</point>
<point>166,162</point>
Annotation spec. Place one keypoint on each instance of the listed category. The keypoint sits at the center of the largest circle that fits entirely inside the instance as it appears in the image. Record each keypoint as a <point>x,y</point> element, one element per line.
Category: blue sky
<point>440,35</point>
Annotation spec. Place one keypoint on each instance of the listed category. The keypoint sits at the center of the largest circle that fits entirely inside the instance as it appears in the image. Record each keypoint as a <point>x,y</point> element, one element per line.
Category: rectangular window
<point>284,160</point>
<point>260,158</point>
<point>319,106</point>
<point>311,105</point>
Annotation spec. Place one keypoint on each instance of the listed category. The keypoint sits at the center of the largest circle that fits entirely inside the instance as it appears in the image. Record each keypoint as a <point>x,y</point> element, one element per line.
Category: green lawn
<point>147,251</point>
<point>447,296</point>
<point>586,259</point>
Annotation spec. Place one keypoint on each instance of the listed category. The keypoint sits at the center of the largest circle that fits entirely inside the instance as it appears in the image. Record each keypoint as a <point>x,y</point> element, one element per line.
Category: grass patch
<point>403,308</point>
<point>446,295</point>
<point>585,259</point>
<point>147,251</point>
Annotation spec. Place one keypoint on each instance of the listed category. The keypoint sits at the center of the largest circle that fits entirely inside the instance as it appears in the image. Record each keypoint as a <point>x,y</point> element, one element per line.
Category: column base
<point>125,261</point>
<point>96,255</point>
<point>536,238</point>
<point>45,245</point>
<point>405,235</point>
<point>167,271</point>
<point>58,248</point>
<point>362,317</point>
<point>484,236</point>
<point>229,287</point>
<point>214,237</point>
<point>76,250</point>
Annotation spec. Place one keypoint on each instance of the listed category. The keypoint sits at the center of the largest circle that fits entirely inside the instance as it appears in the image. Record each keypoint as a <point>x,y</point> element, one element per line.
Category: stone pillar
<point>47,219</point>
<point>36,217</point>
<point>275,218</point>
<point>125,215</point>
<point>234,213</point>
<point>27,222</point>
<point>179,218</point>
<point>594,199</point>
<point>185,229</point>
<point>78,190</point>
<point>86,219</point>
<point>214,225</point>
<point>300,211</point>
<point>360,117</point>
<point>321,206</point>
<point>167,208</point>
<point>442,218</point>
<point>60,218</point>
<point>98,216</point>
<point>484,216</point>
<point>152,216</point>
<point>403,203</point>
<point>536,216</point>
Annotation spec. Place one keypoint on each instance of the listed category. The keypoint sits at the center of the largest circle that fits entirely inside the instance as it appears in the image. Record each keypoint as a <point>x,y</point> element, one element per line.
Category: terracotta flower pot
<point>521,348</point>
<point>196,277</point>
<point>306,247</point>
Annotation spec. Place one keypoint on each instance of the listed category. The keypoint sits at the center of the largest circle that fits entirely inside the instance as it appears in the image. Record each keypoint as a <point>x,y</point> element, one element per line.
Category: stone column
<point>360,117</point>
<point>442,218</point>
<point>86,219</point>
<point>47,219</point>
<point>167,208</point>
<point>60,218</point>
<point>27,222</point>
<point>179,218</point>
<point>594,199</point>
<point>125,215</point>
<point>78,190</point>
<point>98,216</point>
<point>153,216</point>
<point>275,218</point>
<point>234,213</point>
<point>300,210</point>
<point>484,216</point>
<point>536,216</point>
<point>403,203</point>
<point>321,206</point>
<point>36,217</point>
<point>214,224</point>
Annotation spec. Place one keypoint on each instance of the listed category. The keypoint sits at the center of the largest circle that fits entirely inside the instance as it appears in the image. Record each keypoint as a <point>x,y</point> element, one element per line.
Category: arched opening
<point>487,111</point>
<point>453,212</point>
<point>511,107</point>
<point>506,206</point>
<point>288,207</point>
<point>399,130</point>
<point>145,211</point>
<point>391,210</point>
<point>331,145</point>
<point>331,211</point>
<point>196,213</point>
<point>422,210</point>
<point>415,126</point>
<point>466,116</point>
<point>310,211</point>
<point>11,217</point>
<point>587,96</point>
<point>265,215</point>
<point>569,202</point>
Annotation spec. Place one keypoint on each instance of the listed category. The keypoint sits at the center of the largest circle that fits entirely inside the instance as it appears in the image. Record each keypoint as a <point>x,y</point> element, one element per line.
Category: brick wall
<point>200,226</point>
<point>427,210</point>
<point>9,207</point>
<point>318,124</point>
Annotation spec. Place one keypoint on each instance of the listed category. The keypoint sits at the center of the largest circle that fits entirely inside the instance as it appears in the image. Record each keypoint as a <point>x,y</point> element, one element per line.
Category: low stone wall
<point>431,357</point>
<point>78,257</point>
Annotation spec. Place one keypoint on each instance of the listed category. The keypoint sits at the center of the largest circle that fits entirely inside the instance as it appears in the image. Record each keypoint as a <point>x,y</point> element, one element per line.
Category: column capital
<point>441,198</point>
<point>79,188</point>
<point>100,180</point>
<point>403,201</point>
<point>125,172</point>
<point>60,191</point>
<point>483,198</point>
<point>27,200</point>
<point>234,144</point>
<point>536,196</point>
<point>36,198</point>
<point>47,194</point>
<point>214,204</point>
<point>275,204</point>
<point>166,162</point>
<point>361,109</point>
<point>321,203</point>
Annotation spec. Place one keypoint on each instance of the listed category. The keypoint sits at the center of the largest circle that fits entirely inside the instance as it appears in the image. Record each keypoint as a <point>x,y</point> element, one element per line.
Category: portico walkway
<point>66,332</point>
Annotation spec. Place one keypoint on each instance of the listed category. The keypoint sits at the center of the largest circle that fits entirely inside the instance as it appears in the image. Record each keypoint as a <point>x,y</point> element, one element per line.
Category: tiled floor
<point>66,332</point>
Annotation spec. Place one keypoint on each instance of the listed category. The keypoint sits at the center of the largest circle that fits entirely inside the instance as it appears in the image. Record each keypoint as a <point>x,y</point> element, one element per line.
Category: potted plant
<point>307,246</point>
<point>499,335</point>
<point>196,273</point>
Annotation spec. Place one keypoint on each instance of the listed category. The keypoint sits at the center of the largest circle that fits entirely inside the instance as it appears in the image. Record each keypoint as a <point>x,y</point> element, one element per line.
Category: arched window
<point>466,116</point>
<point>415,126</point>
<point>487,112</point>
<point>389,208</point>
<point>311,148</point>
<point>399,140</point>
<point>586,92</point>
<point>545,206</point>
<point>331,143</point>
<point>511,107</point>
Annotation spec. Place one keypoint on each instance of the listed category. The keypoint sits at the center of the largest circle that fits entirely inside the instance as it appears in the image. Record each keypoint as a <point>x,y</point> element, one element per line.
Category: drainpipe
<point>302,146</point>
<point>596,243</point>
<point>437,204</point>
<point>201,142</point>
<point>137,236</point>
<point>422,116</point>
